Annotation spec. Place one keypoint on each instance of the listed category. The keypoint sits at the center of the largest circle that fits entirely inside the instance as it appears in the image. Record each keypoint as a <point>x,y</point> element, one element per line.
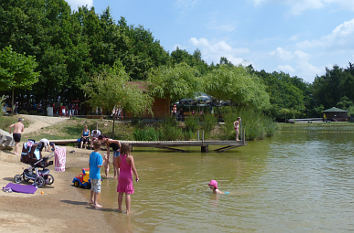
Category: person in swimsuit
<point>115,145</point>
<point>213,185</point>
<point>18,130</point>
<point>126,165</point>
<point>237,128</point>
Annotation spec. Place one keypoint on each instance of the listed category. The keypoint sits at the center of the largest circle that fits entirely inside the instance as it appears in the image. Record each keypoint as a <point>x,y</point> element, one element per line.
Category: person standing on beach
<point>237,128</point>
<point>18,130</point>
<point>126,166</point>
<point>95,164</point>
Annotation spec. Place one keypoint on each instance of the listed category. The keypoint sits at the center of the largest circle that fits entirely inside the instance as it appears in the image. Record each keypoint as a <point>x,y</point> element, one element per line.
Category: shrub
<point>147,134</point>
<point>208,123</point>
<point>256,124</point>
<point>170,133</point>
<point>192,123</point>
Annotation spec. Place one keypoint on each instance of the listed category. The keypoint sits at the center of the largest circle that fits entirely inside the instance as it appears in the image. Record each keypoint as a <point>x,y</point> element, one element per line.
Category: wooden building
<point>335,114</point>
<point>160,106</point>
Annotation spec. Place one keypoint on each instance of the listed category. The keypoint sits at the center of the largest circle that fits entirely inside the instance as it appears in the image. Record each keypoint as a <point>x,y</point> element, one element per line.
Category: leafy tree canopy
<point>110,88</point>
<point>17,71</point>
<point>235,83</point>
<point>175,83</point>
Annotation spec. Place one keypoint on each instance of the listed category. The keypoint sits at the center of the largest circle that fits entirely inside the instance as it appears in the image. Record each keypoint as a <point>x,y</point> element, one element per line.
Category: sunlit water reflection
<point>300,180</point>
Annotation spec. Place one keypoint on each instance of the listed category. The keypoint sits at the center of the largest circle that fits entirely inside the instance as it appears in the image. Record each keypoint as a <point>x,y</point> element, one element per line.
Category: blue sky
<point>299,37</point>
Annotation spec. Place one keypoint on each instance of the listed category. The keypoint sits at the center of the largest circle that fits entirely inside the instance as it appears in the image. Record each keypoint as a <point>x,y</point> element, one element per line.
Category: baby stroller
<point>37,171</point>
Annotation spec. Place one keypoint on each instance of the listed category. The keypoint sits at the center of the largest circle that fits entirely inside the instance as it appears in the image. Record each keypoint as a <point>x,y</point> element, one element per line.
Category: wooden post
<point>204,148</point>
<point>244,136</point>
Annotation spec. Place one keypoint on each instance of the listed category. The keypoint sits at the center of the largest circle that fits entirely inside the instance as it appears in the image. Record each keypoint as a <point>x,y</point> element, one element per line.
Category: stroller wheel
<point>39,181</point>
<point>18,179</point>
<point>25,178</point>
<point>50,179</point>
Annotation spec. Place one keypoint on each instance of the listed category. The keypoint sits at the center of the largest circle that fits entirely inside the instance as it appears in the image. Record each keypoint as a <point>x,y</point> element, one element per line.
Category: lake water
<point>300,180</point>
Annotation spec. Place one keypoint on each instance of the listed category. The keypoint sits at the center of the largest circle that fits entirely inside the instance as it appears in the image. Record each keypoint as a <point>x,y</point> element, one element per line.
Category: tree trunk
<point>13,101</point>
<point>114,117</point>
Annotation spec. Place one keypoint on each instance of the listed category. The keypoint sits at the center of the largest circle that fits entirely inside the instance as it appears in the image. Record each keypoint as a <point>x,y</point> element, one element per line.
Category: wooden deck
<point>225,145</point>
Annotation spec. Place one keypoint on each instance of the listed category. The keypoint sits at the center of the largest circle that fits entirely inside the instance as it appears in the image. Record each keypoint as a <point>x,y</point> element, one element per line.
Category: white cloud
<point>212,51</point>
<point>286,68</point>
<point>282,54</point>
<point>300,63</point>
<point>340,37</point>
<point>299,6</point>
<point>74,4</point>
<point>186,4</point>
<point>223,27</point>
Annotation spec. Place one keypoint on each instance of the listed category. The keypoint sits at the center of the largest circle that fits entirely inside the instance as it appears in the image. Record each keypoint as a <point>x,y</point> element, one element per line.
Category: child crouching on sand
<point>95,163</point>
<point>125,165</point>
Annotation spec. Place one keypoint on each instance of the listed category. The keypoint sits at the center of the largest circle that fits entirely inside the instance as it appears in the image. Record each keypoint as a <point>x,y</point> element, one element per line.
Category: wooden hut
<point>160,107</point>
<point>335,114</point>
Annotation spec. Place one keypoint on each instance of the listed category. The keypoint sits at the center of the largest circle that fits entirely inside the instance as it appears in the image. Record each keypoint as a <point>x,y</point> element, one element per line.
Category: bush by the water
<point>192,123</point>
<point>146,134</point>
<point>256,124</point>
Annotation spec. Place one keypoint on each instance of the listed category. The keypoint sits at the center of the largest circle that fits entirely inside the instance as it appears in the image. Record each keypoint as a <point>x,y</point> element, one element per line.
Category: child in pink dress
<point>126,167</point>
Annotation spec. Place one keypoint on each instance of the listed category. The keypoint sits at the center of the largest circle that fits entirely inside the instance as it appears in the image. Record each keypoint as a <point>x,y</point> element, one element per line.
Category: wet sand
<point>60,208</point>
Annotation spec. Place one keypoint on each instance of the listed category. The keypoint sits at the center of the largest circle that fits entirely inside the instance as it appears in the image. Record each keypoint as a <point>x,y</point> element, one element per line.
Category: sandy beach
<point>59,207</point>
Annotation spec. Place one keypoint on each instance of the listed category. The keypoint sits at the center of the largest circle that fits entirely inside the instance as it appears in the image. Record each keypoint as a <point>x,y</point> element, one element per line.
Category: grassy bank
<point>338,126</point>
<point>6,121</point>
<point>257,127</point>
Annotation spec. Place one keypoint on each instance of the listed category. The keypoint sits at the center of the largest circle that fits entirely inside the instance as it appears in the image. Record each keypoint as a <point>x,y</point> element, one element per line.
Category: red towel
<point>60,158</point>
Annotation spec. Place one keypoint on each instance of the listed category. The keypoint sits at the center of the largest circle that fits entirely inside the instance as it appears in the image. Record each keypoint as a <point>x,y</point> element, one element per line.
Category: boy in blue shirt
<point>95,163</point>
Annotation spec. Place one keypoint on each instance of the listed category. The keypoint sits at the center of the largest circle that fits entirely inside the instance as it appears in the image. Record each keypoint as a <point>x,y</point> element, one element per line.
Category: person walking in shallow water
<point>18,130</point>
<point>237,128</point>
<point>126,167</point>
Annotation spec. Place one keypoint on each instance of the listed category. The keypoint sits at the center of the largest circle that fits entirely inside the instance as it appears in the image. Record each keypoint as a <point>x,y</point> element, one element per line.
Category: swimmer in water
<point>213,185</point>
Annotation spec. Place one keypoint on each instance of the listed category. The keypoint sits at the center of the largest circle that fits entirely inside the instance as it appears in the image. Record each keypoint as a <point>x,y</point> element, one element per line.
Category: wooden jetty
<point>170,145</point>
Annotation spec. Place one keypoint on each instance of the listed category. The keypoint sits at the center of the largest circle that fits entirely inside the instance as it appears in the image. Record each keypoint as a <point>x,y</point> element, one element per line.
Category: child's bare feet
<point>98,206</point>
<point>91,203</point>
<point>119,211</point>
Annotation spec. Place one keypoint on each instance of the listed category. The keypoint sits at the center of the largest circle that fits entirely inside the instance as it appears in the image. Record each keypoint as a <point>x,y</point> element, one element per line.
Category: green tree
<point>174,83</point>
<point>235,83</point>
<point>286,93</point>
<point>328,89</point>
<point>17,71</point>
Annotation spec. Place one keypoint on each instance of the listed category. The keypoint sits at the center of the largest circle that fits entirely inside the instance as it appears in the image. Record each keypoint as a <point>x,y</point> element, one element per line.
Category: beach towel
<point>59,159</point>
<point>20,188</point>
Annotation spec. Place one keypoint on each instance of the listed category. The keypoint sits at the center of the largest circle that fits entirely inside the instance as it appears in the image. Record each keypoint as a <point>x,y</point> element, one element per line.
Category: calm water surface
<point>300,180</point>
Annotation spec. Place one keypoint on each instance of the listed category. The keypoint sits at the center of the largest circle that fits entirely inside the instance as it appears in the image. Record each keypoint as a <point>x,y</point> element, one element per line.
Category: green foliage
<point>287,94</point>
<point>344,103</point>
<point>337,83</point>
<point>169,131</point>
<point>6,121</point>
<point>238,85</point>
<point>182,56</point>
<point>256,124</point>
<point>208,123</point>
<point>192,123</point>
<point>146,134</point>
<point>16,71</point>
<point>2,102</point>
<point>175,82</point>
<point>110,88</point>
<point>351,110</point>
